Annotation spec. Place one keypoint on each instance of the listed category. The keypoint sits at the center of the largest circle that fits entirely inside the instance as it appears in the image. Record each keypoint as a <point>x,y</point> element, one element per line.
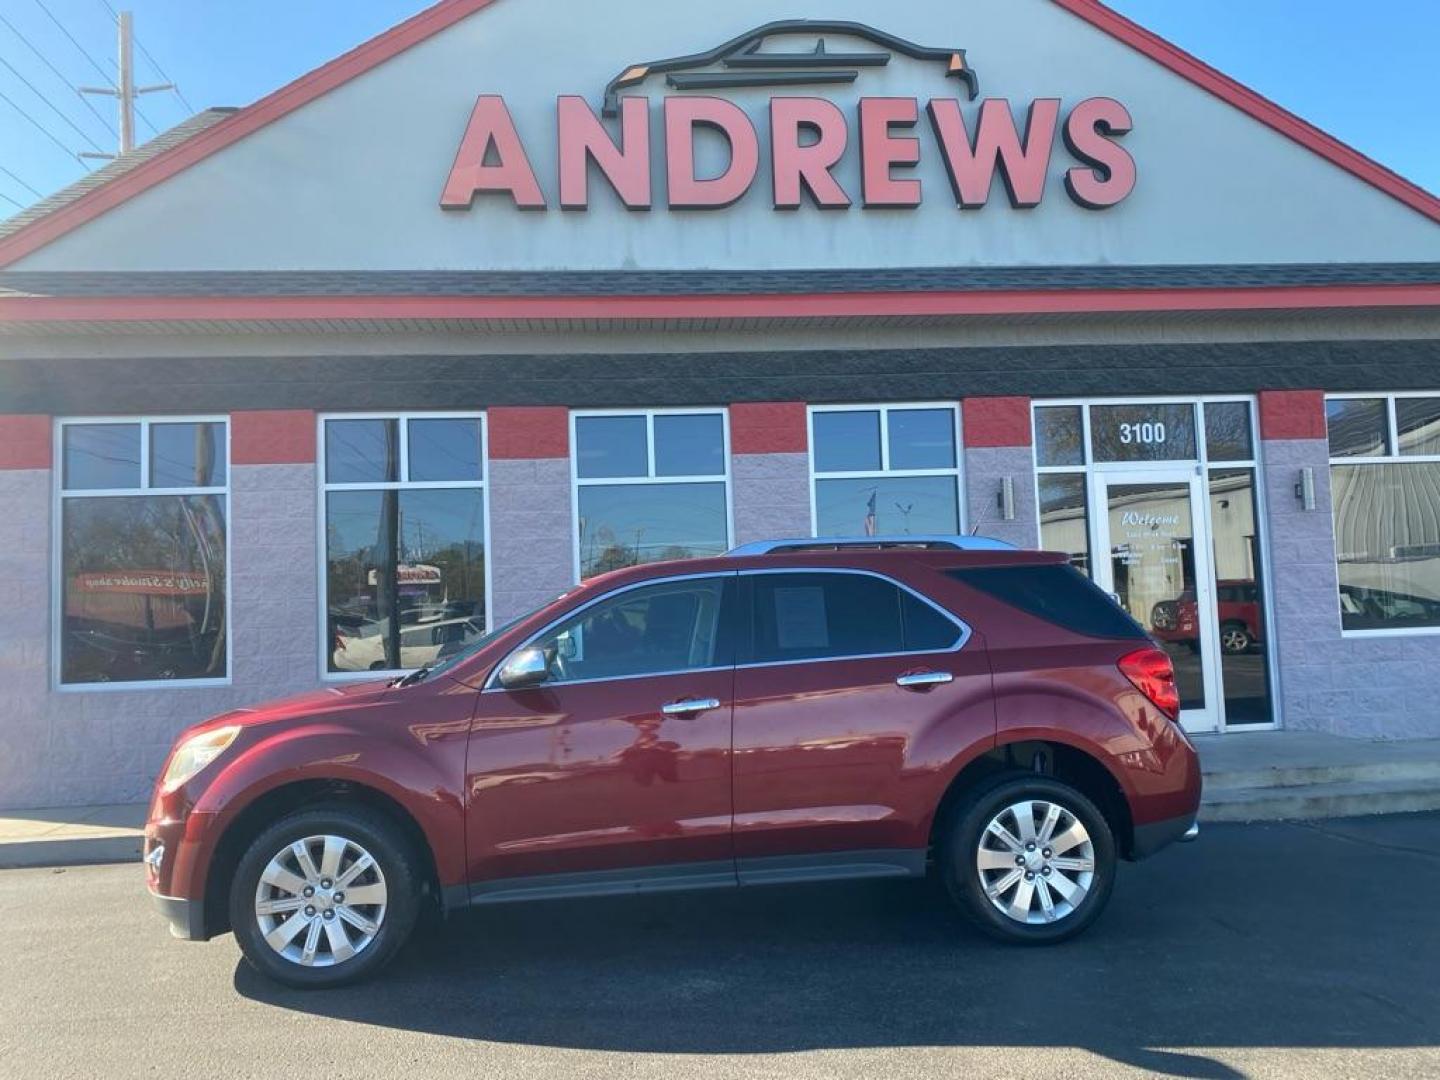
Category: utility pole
<point>125,91</point>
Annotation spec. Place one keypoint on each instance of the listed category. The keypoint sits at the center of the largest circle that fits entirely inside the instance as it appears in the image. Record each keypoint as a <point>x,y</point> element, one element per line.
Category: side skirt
<point>719,874</point>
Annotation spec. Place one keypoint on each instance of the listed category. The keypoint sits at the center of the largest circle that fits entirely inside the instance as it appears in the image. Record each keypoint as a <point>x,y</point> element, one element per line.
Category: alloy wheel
<point>320,901</point>
<point>1036,862</point>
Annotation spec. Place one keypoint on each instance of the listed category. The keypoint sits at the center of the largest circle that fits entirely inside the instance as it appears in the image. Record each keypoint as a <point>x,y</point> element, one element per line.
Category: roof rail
<point>838,543</point>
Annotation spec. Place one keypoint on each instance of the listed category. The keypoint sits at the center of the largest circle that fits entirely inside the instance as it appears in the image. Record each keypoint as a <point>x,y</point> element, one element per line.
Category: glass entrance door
<point>1153,555</point>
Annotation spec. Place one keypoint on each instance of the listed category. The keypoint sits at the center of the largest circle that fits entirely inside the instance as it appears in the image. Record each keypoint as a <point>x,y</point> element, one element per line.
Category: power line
<point>93,62</point>
<point>47,132</point>
<point>53,107</point>
<point>12,202</point>
<point>58,74</point>
<point>22,183</point>
<point>153,62</point>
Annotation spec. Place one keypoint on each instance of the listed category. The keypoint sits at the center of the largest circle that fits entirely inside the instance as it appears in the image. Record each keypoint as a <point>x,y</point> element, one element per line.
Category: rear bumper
<point>1161,834</point>
<point>186,917</point>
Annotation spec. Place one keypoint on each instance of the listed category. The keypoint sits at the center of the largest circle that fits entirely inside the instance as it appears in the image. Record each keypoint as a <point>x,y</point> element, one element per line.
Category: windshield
<point>447,661</point>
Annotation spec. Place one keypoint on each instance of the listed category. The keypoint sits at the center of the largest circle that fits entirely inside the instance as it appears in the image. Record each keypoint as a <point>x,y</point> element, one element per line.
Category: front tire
<point>325,896</point>
<point>1030,860</point>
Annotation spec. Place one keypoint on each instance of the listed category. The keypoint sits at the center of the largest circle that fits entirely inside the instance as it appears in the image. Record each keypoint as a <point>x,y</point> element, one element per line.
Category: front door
<point>616,768</point>
<point>1151,523</point>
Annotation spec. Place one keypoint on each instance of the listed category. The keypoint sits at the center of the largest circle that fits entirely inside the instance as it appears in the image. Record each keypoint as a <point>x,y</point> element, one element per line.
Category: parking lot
<point>1263,950</point>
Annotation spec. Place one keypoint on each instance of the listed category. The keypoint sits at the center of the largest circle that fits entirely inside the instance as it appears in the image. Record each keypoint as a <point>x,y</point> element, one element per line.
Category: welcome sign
<point>807,136</point>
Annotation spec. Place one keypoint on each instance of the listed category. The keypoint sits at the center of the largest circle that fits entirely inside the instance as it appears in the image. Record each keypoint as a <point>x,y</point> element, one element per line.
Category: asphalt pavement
<point>1304,950</point>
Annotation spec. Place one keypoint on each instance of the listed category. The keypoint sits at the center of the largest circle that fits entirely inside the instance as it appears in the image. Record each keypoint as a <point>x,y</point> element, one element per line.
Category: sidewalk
<point>71,836</point>
<point>1265,776</point>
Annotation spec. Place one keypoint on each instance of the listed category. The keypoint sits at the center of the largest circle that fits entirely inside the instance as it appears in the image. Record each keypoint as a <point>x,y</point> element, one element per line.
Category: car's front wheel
<point>325,896</point>
<point>1030,859</point>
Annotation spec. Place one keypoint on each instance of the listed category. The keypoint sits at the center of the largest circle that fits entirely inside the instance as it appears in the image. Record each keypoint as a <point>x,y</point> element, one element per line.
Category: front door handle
<point>690,706</point>
<point>925,678</point>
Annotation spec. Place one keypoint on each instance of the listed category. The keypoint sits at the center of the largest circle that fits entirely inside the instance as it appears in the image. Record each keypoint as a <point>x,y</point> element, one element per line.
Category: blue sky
<point>1366,76</point>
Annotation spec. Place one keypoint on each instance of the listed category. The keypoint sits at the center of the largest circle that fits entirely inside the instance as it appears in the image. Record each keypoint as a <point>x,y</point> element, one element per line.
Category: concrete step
<point>1323,800</point>
<point>1286,776</point>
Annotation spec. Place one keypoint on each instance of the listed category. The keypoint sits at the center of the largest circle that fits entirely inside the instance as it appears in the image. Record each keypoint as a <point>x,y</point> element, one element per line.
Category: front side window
<point>144,580</point>
<point>649,487</point>
<point>886,470</point>
<point>1384,480</point>
<point>404,539</point>
<point>817,615</point>
<point>671,626</point>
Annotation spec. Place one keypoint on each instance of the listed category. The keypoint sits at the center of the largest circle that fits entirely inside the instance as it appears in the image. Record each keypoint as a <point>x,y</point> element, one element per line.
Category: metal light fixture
<point>1006,498</point>
<point>1305,488</point>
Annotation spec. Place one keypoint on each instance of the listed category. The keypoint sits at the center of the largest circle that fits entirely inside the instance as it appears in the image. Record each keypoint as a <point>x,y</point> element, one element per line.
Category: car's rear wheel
<point>1030,859</point>
<point>1234,638</point>
<point>325,896</point>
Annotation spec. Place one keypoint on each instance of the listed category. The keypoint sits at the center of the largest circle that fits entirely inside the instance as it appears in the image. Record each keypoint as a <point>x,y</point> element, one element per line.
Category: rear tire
<point>289,906</point>
<point>1033,884</point>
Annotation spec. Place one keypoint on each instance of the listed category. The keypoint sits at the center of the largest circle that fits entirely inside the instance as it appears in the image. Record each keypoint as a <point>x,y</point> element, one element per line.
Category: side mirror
<point>528,667</point>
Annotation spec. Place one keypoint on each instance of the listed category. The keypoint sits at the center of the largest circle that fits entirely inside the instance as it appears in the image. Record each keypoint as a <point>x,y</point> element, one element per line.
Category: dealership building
<point>520,291</point>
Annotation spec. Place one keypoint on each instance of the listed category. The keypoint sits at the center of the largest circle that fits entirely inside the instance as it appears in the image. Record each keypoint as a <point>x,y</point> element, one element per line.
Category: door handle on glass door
<point>690,706</point>
<point>924,678</point>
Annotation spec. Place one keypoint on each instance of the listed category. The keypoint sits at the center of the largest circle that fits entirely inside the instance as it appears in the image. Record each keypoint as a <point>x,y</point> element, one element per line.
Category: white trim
<point>885,472</point>
<point>403,419</point>
<point>649,415</point>
<point>1202,466</point>
<point>59,495</point>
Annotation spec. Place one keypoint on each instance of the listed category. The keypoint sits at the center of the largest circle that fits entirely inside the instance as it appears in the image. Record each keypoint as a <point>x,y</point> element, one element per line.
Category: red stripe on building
<point>1292,414</point>
<point>995,421</point>
<point>272,437</point>
<point>524,431</point>
<point>839,305</point>
<point>25,441</point>
<point>768,427</point>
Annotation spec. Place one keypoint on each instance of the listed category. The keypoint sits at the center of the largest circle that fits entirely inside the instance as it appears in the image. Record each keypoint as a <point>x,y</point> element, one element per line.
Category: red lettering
<point>1022,164</point>
<point>682,116</point>
<point>794,166</point>
<point>1107,173</point>
<point>491,129</point>
<point>880,152</point>
<point>583,139</point>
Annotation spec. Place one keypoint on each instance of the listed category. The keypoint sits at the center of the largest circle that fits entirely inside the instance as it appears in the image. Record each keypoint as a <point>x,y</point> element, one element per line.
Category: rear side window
<point>810,616</point>
<point>1057,593</point>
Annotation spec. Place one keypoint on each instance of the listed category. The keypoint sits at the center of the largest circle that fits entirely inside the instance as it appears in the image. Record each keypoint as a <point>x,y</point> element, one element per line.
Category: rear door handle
<point>925,678</point>
<point>690,706</point>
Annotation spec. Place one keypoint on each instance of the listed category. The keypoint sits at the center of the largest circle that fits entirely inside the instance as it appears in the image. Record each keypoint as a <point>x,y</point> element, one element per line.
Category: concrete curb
<point>83,851</point>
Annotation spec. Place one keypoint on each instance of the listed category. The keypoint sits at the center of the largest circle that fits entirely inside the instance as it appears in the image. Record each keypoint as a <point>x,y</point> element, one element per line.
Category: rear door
<point>852,696</point>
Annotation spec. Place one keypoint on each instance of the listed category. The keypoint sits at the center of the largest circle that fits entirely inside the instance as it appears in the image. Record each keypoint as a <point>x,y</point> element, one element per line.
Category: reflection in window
<point>1059,435</point>
<point>404,556</point>
<point>1064,516</point>
<point>143,576</point>
<point>650,487</point>
<point>1419,422</point>
<point>657,629</point>
<point>1358,427</point>
<point>1239,597</point>
<point>1227,431</point>
<point>886,470</point>
<point>1159,432</point>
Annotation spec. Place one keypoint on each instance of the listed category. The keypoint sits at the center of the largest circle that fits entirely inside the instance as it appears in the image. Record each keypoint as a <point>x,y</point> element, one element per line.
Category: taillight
<point>1154,676</point>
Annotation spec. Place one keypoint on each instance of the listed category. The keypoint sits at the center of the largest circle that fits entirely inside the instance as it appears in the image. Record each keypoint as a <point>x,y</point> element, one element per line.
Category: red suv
<point>794,711</point>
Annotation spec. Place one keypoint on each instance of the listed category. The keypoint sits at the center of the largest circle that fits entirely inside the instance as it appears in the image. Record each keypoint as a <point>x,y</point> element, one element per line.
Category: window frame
<point>577,481</point>
<point>1393,457</point>
<point>957,472</point>
<point>57,543</point>
<point>323,488</point>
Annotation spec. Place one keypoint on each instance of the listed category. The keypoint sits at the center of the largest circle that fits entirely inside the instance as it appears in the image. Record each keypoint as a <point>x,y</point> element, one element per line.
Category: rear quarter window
<point>1057,593</point>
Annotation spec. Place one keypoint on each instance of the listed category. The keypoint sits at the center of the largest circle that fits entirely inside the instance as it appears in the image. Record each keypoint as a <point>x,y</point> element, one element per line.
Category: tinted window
<point>445,449</point>
<point>1057,593</point>
<point>362,451</point>
<point>611,446</point>
<point>187,455</point>
<point>1227,431</point>
<point>1419,423</point>
<point>922,439</point>
<point>669,626</point>
<point>805,616</point>
<point>1143,432</point>
<point>847,441</point>
<point>1357,427</point>
<point>1059,435</point>
<point>102,456</point>
<point>689,445</point>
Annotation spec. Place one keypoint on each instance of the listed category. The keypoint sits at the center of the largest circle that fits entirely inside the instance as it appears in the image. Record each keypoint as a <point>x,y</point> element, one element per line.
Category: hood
<point>307,703</point>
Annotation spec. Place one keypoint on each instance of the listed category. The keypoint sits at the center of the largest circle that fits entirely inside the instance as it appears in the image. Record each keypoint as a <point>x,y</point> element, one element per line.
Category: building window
<point>885,470</point>
<point>1385,487</point>
<point>142,538</point>
<point>649,486</point>
<point>404,538</point>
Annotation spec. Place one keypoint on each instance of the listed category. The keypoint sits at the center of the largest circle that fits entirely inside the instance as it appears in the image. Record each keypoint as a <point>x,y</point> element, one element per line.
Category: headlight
<point>194,754</point>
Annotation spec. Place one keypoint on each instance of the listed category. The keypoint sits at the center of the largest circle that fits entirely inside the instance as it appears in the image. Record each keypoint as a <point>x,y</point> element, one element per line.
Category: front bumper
<point>186,917</point>
<point>1161,834</point>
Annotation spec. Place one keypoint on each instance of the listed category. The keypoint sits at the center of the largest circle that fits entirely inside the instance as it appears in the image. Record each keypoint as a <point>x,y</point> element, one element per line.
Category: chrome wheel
<point>320,901</point>
<point>1036,862</point>
<point>1234,639</point>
